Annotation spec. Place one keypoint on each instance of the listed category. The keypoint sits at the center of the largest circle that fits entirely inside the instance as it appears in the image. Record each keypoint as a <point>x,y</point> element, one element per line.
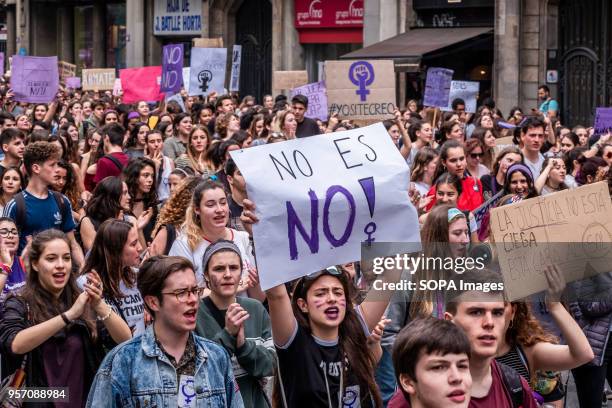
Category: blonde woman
<point>196,157</point>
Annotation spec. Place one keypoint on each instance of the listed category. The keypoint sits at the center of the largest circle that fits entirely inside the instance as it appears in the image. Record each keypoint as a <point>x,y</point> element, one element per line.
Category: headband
<point>221,245</point>
<point>454,213</point>
<point>518,167</point>
<point>182,171</point>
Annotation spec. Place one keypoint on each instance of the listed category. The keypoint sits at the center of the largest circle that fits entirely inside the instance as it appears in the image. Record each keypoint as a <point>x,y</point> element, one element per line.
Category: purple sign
<point>317,99</point>
<point>73,82</point>
<point>1,63</point>
<point>34,79</point>
<point>603,120</point>
<point>361,73</point>
<point>437,87</point>
<point>172,69</point>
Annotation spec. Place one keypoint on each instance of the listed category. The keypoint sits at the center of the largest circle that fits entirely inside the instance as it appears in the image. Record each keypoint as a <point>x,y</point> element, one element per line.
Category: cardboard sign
<point>437,87</point>
<point>101,79</point>
<point>73,82</point>
<point>503,142</point>
<point>571,229</point>
<point>235,76</point>
<point>361,89</point>
<point>317,99</point>
<point>117,88</point>
<point>288,79</point>
<point>141,84</point>
<point>66,70</point>
<point>466,90</point>
<point>208,42</point>
<point>207,70</point>
<point>172,68</point>
<point>603,120</point>
<point>177,18</point>
<point>319,198</point>
<point>186,73</point>
<point>34,79</point>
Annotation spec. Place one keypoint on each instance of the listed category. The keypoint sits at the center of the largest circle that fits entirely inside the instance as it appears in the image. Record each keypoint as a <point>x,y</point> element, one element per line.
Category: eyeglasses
<point>4,232</point>
<point>182,295</point>
<point>476,155</point>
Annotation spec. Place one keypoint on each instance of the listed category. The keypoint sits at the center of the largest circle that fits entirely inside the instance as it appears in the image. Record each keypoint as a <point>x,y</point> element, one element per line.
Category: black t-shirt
<point>308,127</point>
<point>217,314</point>
<point>304,365</point>
<point>490,186</point>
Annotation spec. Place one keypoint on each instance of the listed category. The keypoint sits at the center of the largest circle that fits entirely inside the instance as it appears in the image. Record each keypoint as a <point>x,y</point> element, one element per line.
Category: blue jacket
<point>138,374</point>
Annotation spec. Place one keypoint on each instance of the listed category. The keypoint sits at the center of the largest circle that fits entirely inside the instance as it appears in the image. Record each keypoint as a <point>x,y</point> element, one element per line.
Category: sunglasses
<point>299,287</point>
<point>476,155</point>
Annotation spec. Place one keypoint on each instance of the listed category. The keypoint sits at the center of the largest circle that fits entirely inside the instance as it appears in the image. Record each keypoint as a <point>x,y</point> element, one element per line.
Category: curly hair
<point>174,210</point>
<point>131,174</point>
<point>71,188</point>
<point>38,153</point>
<point>221,125</point>
<point>525,329</point>
<point>132,141</point>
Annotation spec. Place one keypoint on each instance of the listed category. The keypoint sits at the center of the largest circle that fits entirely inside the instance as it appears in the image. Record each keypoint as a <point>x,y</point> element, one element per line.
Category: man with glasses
<point>168,365</point>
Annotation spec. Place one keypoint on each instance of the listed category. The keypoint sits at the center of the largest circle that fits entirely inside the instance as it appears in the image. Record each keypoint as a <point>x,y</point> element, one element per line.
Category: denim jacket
<point>138,374</point>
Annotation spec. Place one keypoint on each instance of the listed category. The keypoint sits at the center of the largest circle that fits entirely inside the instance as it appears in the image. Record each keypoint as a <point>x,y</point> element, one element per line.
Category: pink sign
<point>141,84</point>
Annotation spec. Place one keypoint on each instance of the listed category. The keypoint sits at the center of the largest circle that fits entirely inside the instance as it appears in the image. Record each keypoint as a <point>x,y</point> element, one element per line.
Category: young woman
<point>238,324</point>
<point>487,139</point>
<point>421,135</point>
<point>176,145</point>
<point>176,178</point>
<point>474,151</point>
<point>206,221</point>
<point>89,157</point>
<point>114,256</point>
<point>228,126</point>
<point>163,164</point>
<point>136,144</point>
<point>494,183</point>
<point>243,139</point>
<point>140,178</point>
<point>172,216</point>
<point>569,141</point>
<point>552,177</point>
<point>519,182</point>
<point>143,111</point>
<point>49,325</point>
<point>67,183</point>
<point>423,169</point>
<point>110,200</point>
<point>196,157</point>
<point>12,183</point>
<point>590,169</point>
<point>394,131</point>
<point>452,130</point>
<point>257,126</point>
<point>23,123</point>
<point>535,353</point>
<point>287,124</point>
<point>452,160</point>
<point>166,129</point>
<point>12,270</point>
<point>69,135</point>
<point>110,116</point>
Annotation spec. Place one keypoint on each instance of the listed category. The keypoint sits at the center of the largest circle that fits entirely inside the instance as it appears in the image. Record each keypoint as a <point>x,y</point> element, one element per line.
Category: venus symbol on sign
<point>204,77</point>
<point>361,73</point>
<point>367,184</point>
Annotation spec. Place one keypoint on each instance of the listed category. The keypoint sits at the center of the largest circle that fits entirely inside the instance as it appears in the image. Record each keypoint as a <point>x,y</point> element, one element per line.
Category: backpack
<point>20,206</point>
<point>513,384</point>
<point>115,161</point>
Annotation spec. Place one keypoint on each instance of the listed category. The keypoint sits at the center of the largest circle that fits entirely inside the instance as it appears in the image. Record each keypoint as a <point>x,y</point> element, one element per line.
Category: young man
<point>224,104</point>
<point>305,126</point>
<point>549,106</point>
<point>458,106</point>
<point>13,147</point>
<point>114,160</point>
<point>239,324</point>
<point>481,316</point>
<point>237,194</point>
<point>38,208</point>
<point>532,140</point>
<point>7,121</point>
<point>431,360</point>
<point>168,365</point>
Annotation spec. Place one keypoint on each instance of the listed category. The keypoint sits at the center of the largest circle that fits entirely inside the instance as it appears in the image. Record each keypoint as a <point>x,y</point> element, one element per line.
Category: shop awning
<point>415,44</point>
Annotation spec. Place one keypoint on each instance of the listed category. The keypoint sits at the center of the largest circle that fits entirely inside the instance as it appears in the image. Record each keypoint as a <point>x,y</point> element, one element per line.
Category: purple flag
<point>34,79</point>
<point>172,68</point>
<point>73,82</point>
<point>437,87</point>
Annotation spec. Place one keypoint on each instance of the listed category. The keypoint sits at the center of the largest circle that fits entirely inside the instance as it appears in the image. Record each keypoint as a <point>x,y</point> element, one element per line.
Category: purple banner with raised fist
<point>438,87</point>
<point>34,79</point>
<point>172,69</point>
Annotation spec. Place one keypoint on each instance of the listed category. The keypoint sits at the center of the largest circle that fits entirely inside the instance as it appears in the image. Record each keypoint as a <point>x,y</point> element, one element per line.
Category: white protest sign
<point>235,77</point>
<point>186,73</point>
<point>319,198</point>
<point>177,17</point>
<point>207,70</point>
<point>317,99</point>
<point>178,98</point>
<point>466,90</point>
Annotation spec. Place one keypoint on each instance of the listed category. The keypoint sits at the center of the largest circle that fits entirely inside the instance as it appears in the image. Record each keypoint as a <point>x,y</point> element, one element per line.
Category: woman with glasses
<point>113,260</point>
<point>12,269</point>
<point>474,151</point>
<point>238,324</point>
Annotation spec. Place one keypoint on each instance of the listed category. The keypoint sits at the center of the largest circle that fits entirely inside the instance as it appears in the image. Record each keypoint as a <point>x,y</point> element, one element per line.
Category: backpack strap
<point>513,384</point>
<point>59,199</point>
<point>170,237</point>
<point>115,161</point>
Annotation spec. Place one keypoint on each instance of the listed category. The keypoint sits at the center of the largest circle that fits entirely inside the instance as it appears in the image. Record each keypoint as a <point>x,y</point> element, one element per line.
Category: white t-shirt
<point>535,167</point>
<point>180,247</point>
<point>130,307</point>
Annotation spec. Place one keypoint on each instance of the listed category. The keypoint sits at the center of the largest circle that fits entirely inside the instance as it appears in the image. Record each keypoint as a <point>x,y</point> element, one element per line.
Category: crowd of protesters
<point>128,274</point>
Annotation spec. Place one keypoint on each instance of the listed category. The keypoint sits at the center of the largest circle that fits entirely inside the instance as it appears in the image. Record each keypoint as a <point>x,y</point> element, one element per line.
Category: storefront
<point>178,22</point>
<point>328,29</point>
